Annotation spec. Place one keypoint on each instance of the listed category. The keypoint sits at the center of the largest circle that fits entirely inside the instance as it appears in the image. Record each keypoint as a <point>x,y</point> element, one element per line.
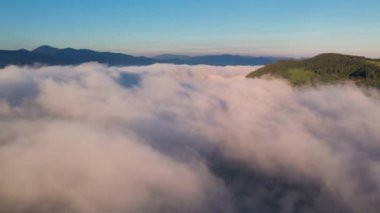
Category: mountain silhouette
<point>46,49</point>
<point>48,55</point>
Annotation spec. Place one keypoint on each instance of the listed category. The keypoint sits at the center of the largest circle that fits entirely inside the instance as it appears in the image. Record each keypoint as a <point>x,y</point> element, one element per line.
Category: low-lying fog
<point>170,138</point>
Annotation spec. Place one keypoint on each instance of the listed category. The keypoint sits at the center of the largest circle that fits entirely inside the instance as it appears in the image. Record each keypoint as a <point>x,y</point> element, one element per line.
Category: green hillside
<point>325,68</point>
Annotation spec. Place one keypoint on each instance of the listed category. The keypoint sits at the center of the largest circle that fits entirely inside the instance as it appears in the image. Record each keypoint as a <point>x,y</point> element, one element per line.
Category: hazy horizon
<point>193,54</point>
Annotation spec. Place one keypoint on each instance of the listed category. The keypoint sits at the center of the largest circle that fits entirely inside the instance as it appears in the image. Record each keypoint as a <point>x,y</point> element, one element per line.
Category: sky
<point>151,27</point>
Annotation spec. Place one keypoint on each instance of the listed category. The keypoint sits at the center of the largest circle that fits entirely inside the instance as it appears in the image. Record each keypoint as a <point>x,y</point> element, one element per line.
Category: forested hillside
<point>325,68</point>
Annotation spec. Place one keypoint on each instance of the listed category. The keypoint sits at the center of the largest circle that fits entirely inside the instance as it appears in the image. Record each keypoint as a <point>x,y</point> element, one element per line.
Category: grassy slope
<point>325,68</point>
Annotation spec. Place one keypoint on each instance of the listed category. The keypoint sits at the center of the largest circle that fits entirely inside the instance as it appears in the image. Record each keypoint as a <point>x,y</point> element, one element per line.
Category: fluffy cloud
<point>180,138</point>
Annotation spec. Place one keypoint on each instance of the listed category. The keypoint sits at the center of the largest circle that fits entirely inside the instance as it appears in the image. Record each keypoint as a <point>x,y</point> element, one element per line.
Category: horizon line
<point>194,54</point>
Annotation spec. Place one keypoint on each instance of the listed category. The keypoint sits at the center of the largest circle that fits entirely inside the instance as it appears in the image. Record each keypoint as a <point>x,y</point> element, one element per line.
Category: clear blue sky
<point>146,27</point>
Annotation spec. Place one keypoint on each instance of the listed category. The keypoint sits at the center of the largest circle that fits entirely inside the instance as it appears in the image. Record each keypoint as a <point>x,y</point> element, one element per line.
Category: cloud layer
<point>169,138</point>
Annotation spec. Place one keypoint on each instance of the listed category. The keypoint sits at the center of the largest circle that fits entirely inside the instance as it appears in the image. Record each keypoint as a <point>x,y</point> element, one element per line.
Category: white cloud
<point>76,138</point>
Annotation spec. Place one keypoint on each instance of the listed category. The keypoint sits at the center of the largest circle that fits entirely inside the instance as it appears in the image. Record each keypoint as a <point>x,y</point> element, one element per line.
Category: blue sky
<point>149,27</point>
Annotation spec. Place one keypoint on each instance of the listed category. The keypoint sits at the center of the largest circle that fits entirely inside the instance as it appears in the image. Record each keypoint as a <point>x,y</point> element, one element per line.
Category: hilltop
<point>325,68</point>
<point>48,55</point>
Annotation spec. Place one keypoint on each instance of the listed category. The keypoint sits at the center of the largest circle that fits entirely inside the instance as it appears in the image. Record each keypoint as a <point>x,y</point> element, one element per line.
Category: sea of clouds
<point>179,138</point>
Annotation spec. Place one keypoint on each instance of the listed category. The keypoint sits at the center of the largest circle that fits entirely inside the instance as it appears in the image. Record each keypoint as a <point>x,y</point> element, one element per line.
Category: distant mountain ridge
<point>225,60</point>
<point>45,49</point>
<point>68,56</point>
<point>171,56</point>
<point>325,68</point>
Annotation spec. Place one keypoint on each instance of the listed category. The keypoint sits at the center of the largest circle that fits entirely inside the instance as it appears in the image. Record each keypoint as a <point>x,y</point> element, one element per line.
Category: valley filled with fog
<point>181,138</point>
